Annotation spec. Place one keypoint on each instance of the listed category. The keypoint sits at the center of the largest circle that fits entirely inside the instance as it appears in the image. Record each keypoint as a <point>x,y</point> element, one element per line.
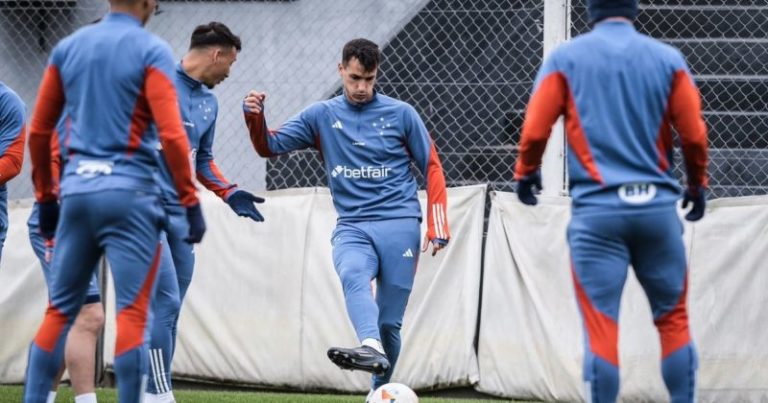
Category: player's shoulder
<point>394,104</point>
<point>662,50</point>
<point>10,100</point>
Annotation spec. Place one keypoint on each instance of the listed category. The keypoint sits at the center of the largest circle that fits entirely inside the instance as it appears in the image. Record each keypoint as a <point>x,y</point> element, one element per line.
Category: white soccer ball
<point>394,393</point>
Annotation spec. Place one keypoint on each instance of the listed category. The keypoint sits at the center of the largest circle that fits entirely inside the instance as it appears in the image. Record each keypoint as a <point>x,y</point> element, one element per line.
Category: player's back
<point>620,83</point>
<point>103,69</point>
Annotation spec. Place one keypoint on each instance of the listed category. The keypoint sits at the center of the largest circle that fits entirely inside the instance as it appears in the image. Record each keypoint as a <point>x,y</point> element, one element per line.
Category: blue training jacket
<point>367,151</point>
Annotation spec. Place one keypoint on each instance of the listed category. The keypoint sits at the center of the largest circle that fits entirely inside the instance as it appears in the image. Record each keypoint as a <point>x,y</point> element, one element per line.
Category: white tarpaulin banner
<point>23,295</point>
<point>265,303</point>
<point>530,343</point>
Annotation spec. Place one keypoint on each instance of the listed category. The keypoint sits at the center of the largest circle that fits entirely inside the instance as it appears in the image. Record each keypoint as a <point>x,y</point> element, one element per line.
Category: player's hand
<point>254,102</point>
<point>437,245</point>
<point>244,204</point>
<point>48,218</point>
<point>527,187</point>
<point>695,196</point>
<point>196,224</point>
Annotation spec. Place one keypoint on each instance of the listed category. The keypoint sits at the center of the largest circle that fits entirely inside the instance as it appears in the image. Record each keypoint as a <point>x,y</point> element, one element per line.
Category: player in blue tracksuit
<point>114,80</point>
<point>12,134</point>
<point>368,141</point>
<point>81,342</point>
<point>213,49</point>
<point>620,92</point>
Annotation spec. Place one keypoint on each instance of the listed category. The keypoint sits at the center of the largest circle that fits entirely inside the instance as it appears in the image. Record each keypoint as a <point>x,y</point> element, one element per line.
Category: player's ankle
<point>374,344</point>
<point>86,398</point>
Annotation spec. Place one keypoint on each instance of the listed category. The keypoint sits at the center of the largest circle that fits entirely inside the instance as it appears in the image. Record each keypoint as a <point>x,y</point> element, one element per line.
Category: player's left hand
<point>242,203</point>
<point>437,245</point>
<point>696,197</point>
<point>527,187</point>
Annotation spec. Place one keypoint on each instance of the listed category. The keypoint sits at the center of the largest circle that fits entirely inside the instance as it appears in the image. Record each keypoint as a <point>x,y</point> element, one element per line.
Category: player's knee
<point>351,280</point>
<point>91,318</point>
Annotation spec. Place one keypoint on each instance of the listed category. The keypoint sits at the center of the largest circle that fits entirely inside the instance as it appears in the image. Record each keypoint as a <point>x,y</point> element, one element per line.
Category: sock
<point>86,398</point>
<point>51,397</point>
<point>369,398</point>
<point>374,344</point>
<point>166,397</point>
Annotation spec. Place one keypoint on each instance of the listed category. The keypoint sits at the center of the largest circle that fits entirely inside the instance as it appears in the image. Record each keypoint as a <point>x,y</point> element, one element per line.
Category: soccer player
<point>115,80</point>
<point>80,348</point>
<point>368,141</point>
<point>212,51</point>
<point>12,135</point>
<point>619,92</point>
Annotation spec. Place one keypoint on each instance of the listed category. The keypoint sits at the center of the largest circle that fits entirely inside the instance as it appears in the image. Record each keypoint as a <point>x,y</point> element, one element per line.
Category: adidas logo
<point>337,125</point>
<point>408,253</point>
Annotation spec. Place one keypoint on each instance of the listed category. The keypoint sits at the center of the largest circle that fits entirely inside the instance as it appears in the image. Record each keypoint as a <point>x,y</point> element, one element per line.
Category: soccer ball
<point>394,393</point>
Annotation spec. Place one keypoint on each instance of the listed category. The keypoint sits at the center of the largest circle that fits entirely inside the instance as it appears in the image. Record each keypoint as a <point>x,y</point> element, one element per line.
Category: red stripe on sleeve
<point>50,103</point>
<point>664,143</point>
<point>221,189</point>
<point>546,104</point>
<point>437,200</point>
<point>257,128</point>
<point>685,114</point>
<point>140,119</point>
<point>10,162</point>
<point>161,97</point>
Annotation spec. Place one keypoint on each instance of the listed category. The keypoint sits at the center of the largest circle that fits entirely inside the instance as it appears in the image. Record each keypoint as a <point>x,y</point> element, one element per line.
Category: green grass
<point>13,394</point>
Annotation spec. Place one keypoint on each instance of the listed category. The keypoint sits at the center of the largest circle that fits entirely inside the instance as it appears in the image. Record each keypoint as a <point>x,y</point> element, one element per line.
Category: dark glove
<point>242,203</point>
<point>196,224</point>
<point>440,241</point>
<point>525,188</point>
<point>695,196</point>
<point>48,217</point>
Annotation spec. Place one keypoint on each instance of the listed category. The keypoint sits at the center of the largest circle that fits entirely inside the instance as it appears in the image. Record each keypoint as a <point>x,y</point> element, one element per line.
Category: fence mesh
<point>467,66</point>
<point>725,45</point>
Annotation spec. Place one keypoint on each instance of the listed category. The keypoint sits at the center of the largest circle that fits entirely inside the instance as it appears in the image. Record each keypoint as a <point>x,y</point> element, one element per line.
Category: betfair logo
<point>360,173</point>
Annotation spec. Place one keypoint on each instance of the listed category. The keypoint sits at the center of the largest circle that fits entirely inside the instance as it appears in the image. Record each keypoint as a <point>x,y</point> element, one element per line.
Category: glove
<point>696,197</point>
<point>525,188</point>
<point>242,203</point>
<point>196,224</point>
<point>440,241</point>
<point>48,217</point>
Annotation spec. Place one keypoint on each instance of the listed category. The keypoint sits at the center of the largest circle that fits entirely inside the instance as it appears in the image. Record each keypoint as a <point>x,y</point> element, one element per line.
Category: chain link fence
<point>725,43</point>
<point>466,65</point>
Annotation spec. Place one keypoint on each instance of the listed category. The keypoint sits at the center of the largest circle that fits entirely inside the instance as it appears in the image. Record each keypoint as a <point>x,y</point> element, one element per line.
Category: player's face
<point>222,60</point>
<point>358,83</point>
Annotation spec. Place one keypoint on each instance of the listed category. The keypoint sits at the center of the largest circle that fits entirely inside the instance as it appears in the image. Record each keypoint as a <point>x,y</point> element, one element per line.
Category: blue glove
<point>242,203</point>
<point>48,218</point>
<point>525,188</point>
<point>696,197</point>
<point>196,224</point>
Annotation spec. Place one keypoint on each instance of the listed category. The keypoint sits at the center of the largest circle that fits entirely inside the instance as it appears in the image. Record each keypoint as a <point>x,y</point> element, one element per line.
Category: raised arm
<point>295,134</point>
<point>424,153</point>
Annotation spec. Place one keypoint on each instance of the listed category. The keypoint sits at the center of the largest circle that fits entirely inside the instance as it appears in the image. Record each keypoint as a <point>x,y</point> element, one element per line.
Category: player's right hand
<point>196,224</point>
<point>48,218</point>
<point>254,102</point>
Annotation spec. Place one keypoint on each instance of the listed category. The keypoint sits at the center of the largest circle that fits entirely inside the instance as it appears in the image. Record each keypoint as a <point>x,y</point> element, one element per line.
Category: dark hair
<point>365,51</point>
<point>214,34</point>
